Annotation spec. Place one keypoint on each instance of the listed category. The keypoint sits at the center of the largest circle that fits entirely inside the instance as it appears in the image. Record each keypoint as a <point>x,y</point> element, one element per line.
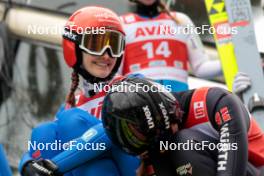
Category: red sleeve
<point>255,144</point>
<point>198,114</point>
<point>198,110</point>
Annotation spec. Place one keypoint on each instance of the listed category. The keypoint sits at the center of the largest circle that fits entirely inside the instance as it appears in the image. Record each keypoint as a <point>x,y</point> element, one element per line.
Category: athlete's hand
<point>41,167</point>
<point>241,83</point>
<point>146,168</point>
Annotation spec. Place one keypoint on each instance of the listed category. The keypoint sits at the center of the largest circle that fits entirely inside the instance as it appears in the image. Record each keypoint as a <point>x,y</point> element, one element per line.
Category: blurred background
<point>34,79</point>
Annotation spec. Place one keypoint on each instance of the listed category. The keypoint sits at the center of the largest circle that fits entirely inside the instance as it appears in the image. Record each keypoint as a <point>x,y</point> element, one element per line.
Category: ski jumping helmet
<point>138,113</point>
<point>93,30</point>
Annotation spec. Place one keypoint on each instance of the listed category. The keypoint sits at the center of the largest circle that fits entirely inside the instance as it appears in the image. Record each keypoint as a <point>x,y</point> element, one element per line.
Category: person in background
<point>158,47</point>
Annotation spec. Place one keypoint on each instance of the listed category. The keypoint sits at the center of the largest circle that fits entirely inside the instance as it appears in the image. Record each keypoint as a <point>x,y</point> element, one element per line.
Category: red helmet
<point>90,18</point>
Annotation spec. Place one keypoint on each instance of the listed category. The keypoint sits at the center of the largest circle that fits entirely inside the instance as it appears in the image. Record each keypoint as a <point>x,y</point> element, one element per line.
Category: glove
<point>41,167</point>
<point>241,83</point>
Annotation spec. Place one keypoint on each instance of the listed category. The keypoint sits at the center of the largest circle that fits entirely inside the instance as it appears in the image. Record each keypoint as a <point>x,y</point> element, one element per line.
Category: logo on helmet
<point>105,15</point>
<point>149,117</point>
<point>70,35</point>
<point>165,115</point>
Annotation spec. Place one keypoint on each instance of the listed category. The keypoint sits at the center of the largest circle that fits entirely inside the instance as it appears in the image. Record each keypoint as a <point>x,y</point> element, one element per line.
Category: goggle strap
<point>72,36</point>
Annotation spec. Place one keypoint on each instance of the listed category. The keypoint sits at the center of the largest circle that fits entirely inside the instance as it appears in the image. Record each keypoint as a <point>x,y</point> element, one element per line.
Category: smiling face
<point>146,2</point>
<point>98,66</point>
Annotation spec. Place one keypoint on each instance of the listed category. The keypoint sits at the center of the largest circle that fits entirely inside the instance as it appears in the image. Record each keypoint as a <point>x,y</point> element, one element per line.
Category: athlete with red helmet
<point>160,44</point>
<point>93,45</point>
<point>201,132</point>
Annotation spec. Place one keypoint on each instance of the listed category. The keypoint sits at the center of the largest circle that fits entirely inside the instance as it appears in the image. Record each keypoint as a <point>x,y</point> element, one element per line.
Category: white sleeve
<point>199,61</point>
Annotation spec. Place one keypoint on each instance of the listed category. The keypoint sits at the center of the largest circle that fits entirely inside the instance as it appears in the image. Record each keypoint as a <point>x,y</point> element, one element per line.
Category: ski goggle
<point>96,44</point>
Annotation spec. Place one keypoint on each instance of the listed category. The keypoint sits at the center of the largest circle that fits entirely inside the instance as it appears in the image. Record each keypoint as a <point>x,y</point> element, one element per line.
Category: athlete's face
<point>146,2</point>
<point>98,66</point>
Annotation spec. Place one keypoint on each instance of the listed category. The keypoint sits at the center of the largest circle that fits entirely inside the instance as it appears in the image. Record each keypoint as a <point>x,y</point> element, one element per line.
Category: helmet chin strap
<point>92,89</point>
<point>89,77</point>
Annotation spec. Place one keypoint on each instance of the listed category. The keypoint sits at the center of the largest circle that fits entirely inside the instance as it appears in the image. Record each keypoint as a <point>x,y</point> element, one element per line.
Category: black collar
<point>147,11</point>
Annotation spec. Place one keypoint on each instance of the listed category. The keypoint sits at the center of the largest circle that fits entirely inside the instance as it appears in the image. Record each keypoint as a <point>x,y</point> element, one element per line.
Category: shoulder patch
<point>198,110</point>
